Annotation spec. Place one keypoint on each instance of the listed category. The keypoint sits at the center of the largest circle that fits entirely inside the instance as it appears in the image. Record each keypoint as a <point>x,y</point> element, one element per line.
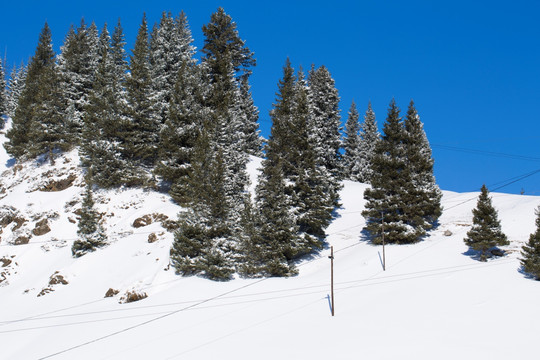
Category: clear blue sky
<point>472,67</point>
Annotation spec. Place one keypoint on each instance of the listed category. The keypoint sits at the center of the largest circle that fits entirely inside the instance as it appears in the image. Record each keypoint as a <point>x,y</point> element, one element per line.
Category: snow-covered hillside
<point>432,302</point>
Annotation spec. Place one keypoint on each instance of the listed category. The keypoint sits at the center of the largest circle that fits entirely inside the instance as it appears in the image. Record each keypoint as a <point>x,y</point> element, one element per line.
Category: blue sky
<point>472,67</point>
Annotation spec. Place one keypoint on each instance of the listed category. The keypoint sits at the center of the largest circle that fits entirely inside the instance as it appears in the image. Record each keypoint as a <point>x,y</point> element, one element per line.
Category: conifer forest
<point>158,117</point>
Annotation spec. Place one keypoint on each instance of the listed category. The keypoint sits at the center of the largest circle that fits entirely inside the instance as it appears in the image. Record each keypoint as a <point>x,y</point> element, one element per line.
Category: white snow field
<point>432,302</point>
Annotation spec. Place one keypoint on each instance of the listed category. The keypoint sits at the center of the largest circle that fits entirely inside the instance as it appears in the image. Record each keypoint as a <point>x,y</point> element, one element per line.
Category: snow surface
<point>433,301</point>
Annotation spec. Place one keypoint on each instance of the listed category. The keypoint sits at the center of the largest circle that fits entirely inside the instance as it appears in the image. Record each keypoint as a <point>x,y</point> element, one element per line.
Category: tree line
<point>162,119</point>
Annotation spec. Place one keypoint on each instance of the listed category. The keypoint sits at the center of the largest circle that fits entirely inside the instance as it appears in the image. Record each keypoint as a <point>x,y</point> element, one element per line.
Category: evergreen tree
<point>389,183</point>
<point>229,63</point>
<point>351,144</point>
<point>90,231</point>
<point>530,252</point>
<point>424,196</point>
<point>42,61</point>
<point>15,87</point>
<point>141,136</point>
<point>251,134</point>
<point>178,135</point>
<point>77,64</point>
<point>3,94</point>
<point>204,243</point>
<point>485,233</point>
<point>325,124</point>
<point>369,137</point>
<point>170,46</point>
<point>271,250</point>
<point>101,148</point>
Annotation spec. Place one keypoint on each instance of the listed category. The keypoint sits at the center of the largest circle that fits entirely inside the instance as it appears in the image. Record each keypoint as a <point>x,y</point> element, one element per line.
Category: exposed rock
<point>152,238</point>
<point>56,279</point>
<point>132,296</point>
<point>149,219</point>
<point>42,227</point>
<point>71,220</point>
<point>448,233</point>
<point>111,292</point>
<point>19,221</point>
<point>21,240</point>
<point>5,261</point>
<point>59,185</point>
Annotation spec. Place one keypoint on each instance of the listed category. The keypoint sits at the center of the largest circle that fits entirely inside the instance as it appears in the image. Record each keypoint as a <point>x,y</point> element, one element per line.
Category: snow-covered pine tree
<point>530,251</point>
<point>3,94</point>
<point>351,144</point>
<point>424,196</point>
<point>16,85</point>
<point>311,204</point>
<point>270,251</point>
<point>101,147</point>
<point>252,138</point>
<point>226,55</point>
<point>185,115</point>
<point>40,64</point>
<point>325,124</point>
<point>91,234</point>
<point>204,243</point>
<point>119,58</point>
<point>389,183</point>
<point>369,137</point>
<point>170,46</point>
<point>485,233</point>
<point>142,135</point>
<point>77,65</point>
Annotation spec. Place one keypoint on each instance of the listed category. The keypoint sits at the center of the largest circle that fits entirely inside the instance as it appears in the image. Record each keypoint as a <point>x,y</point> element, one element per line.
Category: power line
<point>487,153</point>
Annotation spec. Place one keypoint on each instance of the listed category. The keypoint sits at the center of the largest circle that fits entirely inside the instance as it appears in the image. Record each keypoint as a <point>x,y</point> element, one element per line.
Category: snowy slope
<point>432,302</point>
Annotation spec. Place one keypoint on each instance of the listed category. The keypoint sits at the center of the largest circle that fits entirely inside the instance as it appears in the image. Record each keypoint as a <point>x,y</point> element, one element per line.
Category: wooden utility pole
<point>383,254</point>
<point>331,257</point>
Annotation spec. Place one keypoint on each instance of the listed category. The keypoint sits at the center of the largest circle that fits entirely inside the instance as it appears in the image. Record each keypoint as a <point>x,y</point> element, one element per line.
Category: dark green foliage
<point>91,233</point>
<point>204,242</point>
<point>31,101</point>
<point>370,136</point>
<point>101,147</point>
<point>141,135</point>
<point>485,233</point>
<point>389,185</point>
<point>77,66</point>
<point>273,249</point>
<point>351,144</point>
<point>179,133</point>
<point>3,93</point>
<point>423,197</point>
<point>530,252</point>
<point>222,45</point>
<point>404,198</point>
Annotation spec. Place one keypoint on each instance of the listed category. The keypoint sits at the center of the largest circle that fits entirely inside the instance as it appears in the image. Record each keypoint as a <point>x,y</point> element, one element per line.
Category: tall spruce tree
<point>530,251</point>
<point>170,46</point>
<point>351,144</point>
<point>204,243</point>
<point>101,148</point>
<point>389,184</point>
<point>3,93</point>
<point>325,124</point>
<point>142,135</point>
<point>185,115</point>
<point>39,69</point>
<point>91,234</point>
<point>424,198</point>
<point>229,62</point>
<point>485,232</point>
<point>369,137</point>
<point>77,66</point>
<point>16,84</point>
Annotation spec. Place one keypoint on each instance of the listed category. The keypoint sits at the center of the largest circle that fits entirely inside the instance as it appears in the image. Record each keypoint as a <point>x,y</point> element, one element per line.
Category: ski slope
<point>434,301</point>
